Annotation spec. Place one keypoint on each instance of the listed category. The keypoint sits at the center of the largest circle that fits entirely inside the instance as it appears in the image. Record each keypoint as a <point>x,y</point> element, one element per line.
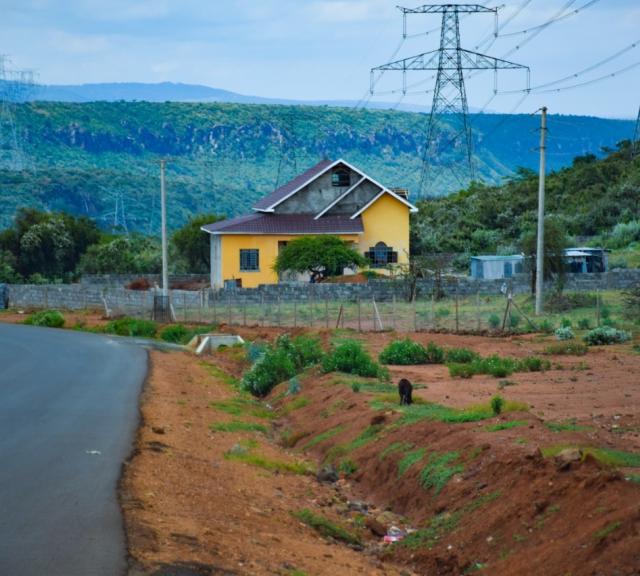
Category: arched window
<point>340,177</point>
<point>381,255</point>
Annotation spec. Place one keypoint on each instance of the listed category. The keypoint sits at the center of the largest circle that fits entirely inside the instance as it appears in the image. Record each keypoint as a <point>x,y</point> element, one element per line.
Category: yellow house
<point>332,197</point>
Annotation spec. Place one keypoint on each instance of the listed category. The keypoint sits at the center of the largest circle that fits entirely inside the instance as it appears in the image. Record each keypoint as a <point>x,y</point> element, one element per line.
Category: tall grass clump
<point>460,356</point>
<point>404,352</point>
<point>350,357</point>
<point>47,318</point>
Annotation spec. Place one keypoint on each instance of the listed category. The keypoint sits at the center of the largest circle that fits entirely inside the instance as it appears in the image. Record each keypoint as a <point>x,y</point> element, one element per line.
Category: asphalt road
<point>68,415</point>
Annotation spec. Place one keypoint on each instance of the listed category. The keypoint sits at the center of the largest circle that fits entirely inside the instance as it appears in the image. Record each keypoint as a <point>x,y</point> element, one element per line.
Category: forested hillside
<point>593,200</point>
<point>101,159</point>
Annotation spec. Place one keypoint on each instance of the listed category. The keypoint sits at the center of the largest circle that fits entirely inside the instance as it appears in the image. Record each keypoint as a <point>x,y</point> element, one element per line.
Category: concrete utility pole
<point>540,246</point>
<point>163,210</point>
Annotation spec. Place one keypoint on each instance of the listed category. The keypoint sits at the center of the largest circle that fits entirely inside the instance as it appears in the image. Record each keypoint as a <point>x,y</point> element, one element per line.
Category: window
<point>340,177</point>
<point>381,255</point>
<point>249,260</point>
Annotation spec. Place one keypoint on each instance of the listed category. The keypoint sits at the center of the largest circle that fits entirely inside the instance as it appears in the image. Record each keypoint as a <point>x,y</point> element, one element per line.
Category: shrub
<point>631,299</point>
<point>566,301</point>
<point>304,351</point>
<point>514,320</point>
<point>435,354</point>
<point>273,367</point>
<point>461,370</point>
<point>564,333</point>
<point>584,324</point>
<point>404,352</point>
<point>461,356</point>
<point>175,333</point>
<point>546,326</point>
<point>132,327</point>
<point>497,404</point>
<point>568,347</point>
<point>606,335</point>
<point>494,321</point>
<point>355,387</point>
<point>48,318</point>
<point>326,527</point>
<point>349,356</point>
<point>566,323</point>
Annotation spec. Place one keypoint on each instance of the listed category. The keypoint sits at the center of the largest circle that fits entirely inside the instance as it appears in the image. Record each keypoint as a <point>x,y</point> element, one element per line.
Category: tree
<point>321,256</point>
<point>122,255</point>
<point>555,242</point>
<point>192,244</point>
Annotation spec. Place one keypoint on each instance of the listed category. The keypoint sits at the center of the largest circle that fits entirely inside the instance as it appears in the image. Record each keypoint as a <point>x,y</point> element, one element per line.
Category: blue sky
<point>318,49</point>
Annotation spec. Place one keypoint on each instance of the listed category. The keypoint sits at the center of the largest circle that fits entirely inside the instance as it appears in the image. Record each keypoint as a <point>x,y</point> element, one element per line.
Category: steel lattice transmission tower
<point>15,87</point>
<point>635,145</point>
<point>449,144</point>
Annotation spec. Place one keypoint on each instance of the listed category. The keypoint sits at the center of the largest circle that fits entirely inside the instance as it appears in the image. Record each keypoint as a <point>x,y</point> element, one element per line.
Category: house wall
<point>387,220</point>
<point>316,195</point>
<point>268,247</point>
<point>356,199</point>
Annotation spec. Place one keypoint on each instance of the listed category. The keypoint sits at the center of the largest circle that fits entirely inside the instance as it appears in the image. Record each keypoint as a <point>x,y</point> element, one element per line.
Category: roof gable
<point>384,191</point>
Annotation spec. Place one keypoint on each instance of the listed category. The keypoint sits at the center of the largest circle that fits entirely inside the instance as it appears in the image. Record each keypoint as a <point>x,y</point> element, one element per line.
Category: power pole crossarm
<point>540,243</point>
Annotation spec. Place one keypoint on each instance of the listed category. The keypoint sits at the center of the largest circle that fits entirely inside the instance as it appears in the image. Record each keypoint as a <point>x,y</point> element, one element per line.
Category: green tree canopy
<point>122,255</point>
<point>192,244</point>
<point>319,255</point>
<point>555,242</point>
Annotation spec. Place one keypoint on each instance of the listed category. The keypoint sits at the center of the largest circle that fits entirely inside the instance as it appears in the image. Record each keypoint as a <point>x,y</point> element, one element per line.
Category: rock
<point>358,506</point>
<point>327,474</point>
<point>158,429</point>
<point>376,527</point>
<point>569,455</point>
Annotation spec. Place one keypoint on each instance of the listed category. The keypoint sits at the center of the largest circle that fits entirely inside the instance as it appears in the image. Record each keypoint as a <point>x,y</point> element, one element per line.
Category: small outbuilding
<point>586,260</point>
<point>492,267</point>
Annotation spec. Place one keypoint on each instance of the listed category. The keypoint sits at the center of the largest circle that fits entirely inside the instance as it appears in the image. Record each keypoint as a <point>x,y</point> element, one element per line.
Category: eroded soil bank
<point>218,481</point>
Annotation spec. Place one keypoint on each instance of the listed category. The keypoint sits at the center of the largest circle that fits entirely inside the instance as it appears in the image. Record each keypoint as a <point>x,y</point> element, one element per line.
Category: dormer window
<point>340,178</point>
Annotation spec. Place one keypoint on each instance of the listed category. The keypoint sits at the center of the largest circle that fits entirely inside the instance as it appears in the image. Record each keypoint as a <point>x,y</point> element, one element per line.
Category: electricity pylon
<point>449,144</point>
<point>635,145</point>
<point>15,86</point>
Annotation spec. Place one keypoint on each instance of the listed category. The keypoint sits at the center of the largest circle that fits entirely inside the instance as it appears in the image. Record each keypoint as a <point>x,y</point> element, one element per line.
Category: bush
<point>497,404</point>
<point>566,301</point>
<point>566,323</point>
<point>546,326</point>
<point>435,354</point>
<point>404,352</point>
<point>564,333</point>
<point>349,356</point>
<point>568,347</point>
<point>514,320</point>
<point>132,327</point>
<point>584,324</point>
<point>176,333</point>
<point>48,318</point>
<point>461,370</point>
<point>460,356</point>
<point>606,335</point>
<point>494,321</point>
<point>280,362</point>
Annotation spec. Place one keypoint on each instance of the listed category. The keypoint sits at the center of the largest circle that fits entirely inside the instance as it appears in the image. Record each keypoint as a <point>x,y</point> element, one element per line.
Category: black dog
<point>405,389</point>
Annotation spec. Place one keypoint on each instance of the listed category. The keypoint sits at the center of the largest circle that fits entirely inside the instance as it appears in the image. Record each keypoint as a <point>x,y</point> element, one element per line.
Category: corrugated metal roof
<point>286,224</point>
<point>286,189</point>
<point>490,258</point>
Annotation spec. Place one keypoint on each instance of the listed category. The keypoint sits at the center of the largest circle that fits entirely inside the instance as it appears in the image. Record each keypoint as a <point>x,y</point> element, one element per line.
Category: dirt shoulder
<point>217,478</point>
<point>186,504</point>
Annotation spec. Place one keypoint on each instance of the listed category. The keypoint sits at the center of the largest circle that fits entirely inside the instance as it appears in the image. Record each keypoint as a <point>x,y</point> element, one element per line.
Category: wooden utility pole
<point>163,210</point>
<point>540,244</point>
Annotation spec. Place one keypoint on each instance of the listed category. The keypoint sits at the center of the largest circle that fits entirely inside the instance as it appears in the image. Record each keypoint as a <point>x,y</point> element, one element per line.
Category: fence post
<point>433,312</point>
<point>597,307</point>
<point>393,312</point>
<point>414,304</point>
<point>326,312</point>
<point>359,315</point>
<point>215,309</point>
<point>262,308</point>
<point>478,309</point>
<point>457,311</point>
<point>295,313</point>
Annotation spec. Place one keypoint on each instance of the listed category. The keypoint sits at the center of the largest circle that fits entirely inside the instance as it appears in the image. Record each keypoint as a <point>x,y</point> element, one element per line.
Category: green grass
<point>324,436</point>
<point>566,348</point>
<point>295,404</point>
<point>395,447</point>
<point>238,426</point>
<point>367,435</point>
<point>607,456</point>
<point>368,385</point>
<point>220,374</point>
<point>268,464</point>
<point>439,470</point>
<point>443,524</point>
<point>439,413</point>
<point>241,405</point>
<point>506,425</point>
<point>409,459</point>
<point>326,527</point>
<point>567,426</point>
<point>608,529</point>
<point>635,478</point>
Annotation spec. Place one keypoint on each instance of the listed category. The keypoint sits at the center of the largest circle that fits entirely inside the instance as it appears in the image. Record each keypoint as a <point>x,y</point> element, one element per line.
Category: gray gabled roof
<point>295,224</point>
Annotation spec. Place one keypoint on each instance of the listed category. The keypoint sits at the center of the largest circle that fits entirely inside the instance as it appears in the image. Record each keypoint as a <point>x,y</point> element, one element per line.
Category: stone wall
<point>121,301</point>
<point>125,279</point>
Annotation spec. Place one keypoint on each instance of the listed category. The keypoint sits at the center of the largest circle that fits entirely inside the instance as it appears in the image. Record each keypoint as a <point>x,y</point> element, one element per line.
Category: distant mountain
<point>177,92</point>
<point>100,159</point>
